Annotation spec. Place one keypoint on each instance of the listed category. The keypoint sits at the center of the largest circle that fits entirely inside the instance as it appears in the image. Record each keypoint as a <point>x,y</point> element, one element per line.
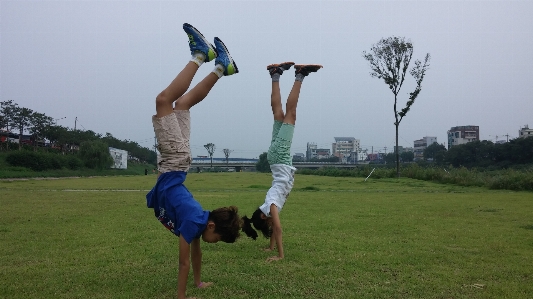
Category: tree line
<point>41,127</point>
<point>483,153</point>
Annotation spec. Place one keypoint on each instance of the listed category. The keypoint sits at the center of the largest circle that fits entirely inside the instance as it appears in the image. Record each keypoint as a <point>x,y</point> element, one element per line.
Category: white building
<point>420,145</point>
<point>313,152</point>
<point>525,132</point>
<point>462,134</point>
<point>345,147</point>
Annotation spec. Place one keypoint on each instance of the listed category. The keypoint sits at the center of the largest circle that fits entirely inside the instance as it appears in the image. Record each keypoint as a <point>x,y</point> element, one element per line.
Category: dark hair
<point>259,224</point>
<point>227,223</point>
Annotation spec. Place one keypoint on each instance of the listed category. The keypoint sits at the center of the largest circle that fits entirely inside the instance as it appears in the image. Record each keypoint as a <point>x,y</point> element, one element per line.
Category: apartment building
<point>420,145</point>
<point>345,146</point>
<point>313,152</point>
<point>525,132</point>
<point>462,134</point>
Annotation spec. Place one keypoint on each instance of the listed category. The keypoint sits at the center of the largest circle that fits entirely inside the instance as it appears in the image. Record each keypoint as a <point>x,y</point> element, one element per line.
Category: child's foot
<point>198,43</point>
<point>279,68</point>
<point>305,69</point>
<point>224,58</point>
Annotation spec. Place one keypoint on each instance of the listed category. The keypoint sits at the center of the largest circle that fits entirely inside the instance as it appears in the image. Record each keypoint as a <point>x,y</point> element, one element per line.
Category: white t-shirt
<point>283,180</point>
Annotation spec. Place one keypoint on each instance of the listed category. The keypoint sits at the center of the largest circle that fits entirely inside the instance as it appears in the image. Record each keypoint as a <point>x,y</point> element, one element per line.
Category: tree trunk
<point>397,154</point>
<point>20,139</point>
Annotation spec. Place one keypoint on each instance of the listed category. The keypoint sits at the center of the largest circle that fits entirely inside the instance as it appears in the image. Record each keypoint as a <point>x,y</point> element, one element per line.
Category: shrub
<point>37,161</point>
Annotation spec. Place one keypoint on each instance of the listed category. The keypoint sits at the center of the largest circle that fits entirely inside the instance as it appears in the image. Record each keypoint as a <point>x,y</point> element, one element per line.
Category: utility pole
<point>75,121</point>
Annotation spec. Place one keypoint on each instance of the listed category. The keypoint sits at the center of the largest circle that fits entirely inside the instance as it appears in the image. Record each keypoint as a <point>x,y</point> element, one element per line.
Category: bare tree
<point>389,60</point>
<point>227,152</point>
<point>210,147</point>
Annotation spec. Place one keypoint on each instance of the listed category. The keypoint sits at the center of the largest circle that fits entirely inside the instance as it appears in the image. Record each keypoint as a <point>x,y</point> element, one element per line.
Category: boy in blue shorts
<point>174,206</point>
<point>266,217</point>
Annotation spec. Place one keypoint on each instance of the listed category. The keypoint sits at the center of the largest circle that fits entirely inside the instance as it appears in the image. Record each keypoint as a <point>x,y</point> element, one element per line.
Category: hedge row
<point>40,161</point>
<point>508,179</point>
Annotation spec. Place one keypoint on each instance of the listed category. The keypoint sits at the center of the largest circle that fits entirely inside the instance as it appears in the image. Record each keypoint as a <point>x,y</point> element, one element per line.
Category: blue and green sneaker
<point>198,43</point>
<point>224,58</point>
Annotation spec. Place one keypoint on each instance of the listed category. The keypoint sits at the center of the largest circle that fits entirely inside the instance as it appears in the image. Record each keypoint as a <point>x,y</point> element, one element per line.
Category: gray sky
<point>104,62</point>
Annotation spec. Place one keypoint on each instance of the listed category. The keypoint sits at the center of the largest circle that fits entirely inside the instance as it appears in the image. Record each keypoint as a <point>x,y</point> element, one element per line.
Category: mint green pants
<point>280,146</point>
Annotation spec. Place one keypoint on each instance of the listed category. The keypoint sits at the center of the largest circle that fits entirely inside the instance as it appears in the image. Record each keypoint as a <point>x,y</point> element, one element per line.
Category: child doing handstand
<point>266,217</point>
<point>174,206</point>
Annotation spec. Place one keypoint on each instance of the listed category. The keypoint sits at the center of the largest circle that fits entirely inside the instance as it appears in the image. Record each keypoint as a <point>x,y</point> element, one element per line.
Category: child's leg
<point>224,66</point>
<point>201,51</point>
<point>280,149</point>
<point>178,86</point>
<point>292,101</point>
<point>173,129</point>
<point>197,94</point>
<point>276,70</point>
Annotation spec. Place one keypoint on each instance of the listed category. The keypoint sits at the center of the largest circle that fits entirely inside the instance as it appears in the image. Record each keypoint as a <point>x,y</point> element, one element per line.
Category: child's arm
<point>276,233</point>
<point>272,242</point>
<point>183,271</point>
<point>196,257</point>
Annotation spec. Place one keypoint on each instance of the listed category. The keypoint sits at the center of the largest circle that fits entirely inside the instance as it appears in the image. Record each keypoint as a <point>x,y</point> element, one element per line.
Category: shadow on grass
<point>527,227</point>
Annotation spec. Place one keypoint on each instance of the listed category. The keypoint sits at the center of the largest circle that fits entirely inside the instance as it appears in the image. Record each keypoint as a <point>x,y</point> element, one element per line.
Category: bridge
<point>240,164</point>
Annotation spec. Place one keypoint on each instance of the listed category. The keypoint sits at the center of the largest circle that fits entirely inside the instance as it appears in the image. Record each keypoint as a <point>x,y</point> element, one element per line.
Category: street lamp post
<point>55,120</point>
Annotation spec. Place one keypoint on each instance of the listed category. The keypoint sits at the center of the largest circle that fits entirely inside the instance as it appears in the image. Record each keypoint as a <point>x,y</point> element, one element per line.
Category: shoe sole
<point>300,66</point>
<point>312,68</point>
<point>279,64</point>
<point>232,62</point>
<point>202,37</point>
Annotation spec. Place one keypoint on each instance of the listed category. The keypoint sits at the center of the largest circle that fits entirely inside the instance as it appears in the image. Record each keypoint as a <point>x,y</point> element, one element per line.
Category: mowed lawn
<point>343,238</point>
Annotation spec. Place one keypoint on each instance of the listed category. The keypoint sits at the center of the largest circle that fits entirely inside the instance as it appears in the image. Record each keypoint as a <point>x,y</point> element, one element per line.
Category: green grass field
<point>343,238</point>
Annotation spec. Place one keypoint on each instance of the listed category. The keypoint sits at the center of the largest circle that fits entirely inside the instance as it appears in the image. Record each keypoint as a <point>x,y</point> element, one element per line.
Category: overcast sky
<point>104,62</point>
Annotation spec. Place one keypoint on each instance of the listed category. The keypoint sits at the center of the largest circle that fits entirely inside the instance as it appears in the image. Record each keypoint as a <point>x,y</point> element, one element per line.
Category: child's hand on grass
<point>274,258</point>
<point>204,285</point>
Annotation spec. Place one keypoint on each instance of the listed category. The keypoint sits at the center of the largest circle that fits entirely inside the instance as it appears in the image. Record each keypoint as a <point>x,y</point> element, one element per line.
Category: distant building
<point>313,152</point>
<point>525,132</point>
<point>345,147</point>
<point>362,156</point>
<point>402,149</point>
<point>462,134</point>
<point>298,157</point>
<point>420,145</point>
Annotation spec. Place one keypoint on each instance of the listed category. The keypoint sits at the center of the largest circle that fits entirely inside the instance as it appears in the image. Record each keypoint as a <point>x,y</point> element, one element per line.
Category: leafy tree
<point>262,165</point>
<point>55,134</point>
<point>390,158</point>
<point>407,156</point>
<point>95,154</point>
<point>39,123</point>
<point>227,152</point>
<point>389,60</point>
<point>210,147</point>
<point>21,121</point>
<point>436,152</point>
<point>6,116</point>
